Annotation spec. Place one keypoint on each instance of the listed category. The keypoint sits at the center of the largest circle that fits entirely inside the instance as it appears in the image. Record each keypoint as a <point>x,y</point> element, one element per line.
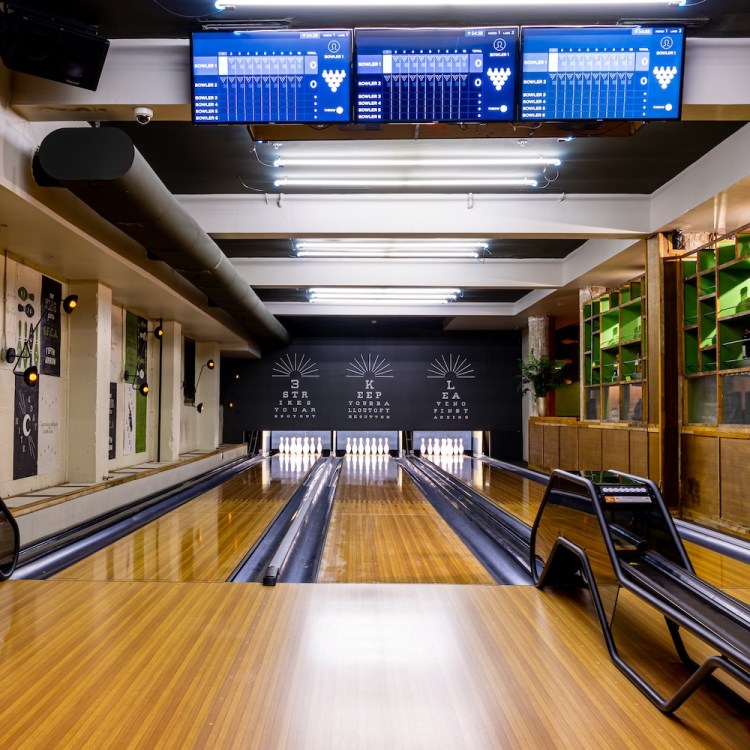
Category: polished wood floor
<point>205,539</point>
<point>172,665</point>
<point>154,661</point>
<point>383,530</point>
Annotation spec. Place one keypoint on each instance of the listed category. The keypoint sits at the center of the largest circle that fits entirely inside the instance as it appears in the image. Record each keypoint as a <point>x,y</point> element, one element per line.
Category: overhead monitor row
<point>487,74</point>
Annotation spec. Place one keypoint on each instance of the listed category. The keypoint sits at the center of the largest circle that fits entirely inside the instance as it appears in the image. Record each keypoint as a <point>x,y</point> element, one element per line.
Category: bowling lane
<point>521,498</point>
<point>513,493</point>
<point>205,539</point>
<point>383,530</point>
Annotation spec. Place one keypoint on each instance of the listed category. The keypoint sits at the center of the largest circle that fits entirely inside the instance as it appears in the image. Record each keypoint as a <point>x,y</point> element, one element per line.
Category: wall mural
<point>25,430</point>
<point>50,329</point>
<point>136,361</point>
<point>35,299</point>
<point>49,425</point>
<point>27,290</point>
<point>112,447</point>
<point>450,382</point>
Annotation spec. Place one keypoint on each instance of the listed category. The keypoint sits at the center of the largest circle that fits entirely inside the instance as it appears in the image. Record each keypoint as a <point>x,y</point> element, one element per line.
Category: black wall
<point>450,382</point>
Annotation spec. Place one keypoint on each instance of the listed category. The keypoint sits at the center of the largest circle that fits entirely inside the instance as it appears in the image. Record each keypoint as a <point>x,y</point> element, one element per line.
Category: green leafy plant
<point>540,374</point>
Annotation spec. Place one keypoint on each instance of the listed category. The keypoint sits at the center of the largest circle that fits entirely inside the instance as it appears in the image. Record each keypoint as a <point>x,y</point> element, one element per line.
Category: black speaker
<point>54,49</point>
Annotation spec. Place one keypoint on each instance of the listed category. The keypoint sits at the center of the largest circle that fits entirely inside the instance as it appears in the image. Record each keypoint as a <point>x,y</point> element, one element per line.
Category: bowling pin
<point>367,446</point>
<point>429,446</point>
<point>422,448</point>
<point>386,449</point>
<point>348,446</point>
<point>461,447</point>
<point>281,445</point>
<point>319,446</point>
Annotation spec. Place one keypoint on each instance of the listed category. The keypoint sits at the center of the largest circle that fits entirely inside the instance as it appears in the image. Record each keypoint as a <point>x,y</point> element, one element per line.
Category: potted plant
<point>539,375</point>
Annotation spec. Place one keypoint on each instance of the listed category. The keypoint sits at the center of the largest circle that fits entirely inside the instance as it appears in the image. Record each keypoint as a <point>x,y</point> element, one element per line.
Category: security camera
<point>143,115</point>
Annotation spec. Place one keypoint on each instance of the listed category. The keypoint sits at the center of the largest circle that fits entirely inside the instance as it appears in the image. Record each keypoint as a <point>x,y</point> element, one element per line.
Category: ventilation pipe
<point>102,167</point>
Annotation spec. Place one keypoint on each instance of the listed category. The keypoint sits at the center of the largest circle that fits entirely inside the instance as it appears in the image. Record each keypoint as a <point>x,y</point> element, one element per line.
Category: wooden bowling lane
<point>91,665</point>
<point>205,539</point>
<point>513,493</point>
<point>383,530</point>
<point>521,498</point>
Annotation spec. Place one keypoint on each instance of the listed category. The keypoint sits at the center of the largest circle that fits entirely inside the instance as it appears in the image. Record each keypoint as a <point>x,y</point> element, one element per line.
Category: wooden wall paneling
<point>654,461</point>
<point>616,450</point>
<point>569,447</point>
<point>536,444</point>
<point>590,449</point>
<point>700,475</point>
<point>734,457</point>
<point>638,452</point>
<point>551,447</point>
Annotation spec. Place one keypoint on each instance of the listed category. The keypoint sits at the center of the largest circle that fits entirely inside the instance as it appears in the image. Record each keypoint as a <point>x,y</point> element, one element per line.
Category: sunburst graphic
<point>360,367</point>
<point>458,366</point>
<point>299,364</point>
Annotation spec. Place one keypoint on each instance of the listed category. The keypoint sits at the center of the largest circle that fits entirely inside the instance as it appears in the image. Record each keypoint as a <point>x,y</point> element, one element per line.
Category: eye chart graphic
<point>449,405</point>
<point>371,399</point>
<point>295,400</point>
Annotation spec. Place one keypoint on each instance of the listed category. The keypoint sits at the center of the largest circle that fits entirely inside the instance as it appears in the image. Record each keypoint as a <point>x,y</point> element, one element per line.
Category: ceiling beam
<point>380,215</point>
<point>302,272</point>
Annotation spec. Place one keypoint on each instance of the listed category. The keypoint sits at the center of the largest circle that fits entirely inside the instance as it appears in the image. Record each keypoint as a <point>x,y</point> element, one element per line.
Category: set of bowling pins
<point>296,462</point>
<point>368,466</point>
<point>297,446</point>
<point>444,447</point>
<point>366,447</point>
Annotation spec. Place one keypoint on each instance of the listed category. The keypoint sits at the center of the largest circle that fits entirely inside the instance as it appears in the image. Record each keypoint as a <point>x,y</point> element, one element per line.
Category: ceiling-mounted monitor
<point>601,73</point>
<point>271,76</point>
<point>435,75</point>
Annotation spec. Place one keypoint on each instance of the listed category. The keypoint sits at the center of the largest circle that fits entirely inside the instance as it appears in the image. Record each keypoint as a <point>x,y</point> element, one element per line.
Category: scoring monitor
<point>435,75</point>
<point>271,76</point>
<point>601,73</point>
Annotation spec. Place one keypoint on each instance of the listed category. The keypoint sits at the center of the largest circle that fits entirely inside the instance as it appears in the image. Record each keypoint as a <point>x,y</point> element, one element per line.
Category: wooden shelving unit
<point>614,356</point>
<point>716,333</point>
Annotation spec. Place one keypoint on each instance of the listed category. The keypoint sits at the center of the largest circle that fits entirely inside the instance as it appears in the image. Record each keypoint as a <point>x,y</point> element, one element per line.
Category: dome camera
<point>143,115</point>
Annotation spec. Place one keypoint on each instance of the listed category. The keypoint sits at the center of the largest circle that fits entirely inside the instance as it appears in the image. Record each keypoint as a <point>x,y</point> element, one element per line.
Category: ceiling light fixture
<point>233,4</point>
<point>393,248</point>
<point>383,295</point>
<point>403,182</point>
<point>448,161</point>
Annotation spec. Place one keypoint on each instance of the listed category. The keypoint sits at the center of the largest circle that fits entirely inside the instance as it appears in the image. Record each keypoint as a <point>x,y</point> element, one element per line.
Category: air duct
<point>104,169</point>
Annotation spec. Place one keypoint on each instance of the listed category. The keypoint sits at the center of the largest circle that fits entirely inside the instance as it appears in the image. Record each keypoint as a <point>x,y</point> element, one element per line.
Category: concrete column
<point>171,391</point>
<point>539,344</point>
<point>88,419</point>
<point>539,335</point>
<point>208,394</point>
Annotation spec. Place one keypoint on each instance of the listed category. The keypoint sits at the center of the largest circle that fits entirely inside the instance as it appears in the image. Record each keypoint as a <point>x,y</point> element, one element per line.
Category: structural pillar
<point>171,394</point>
<point>89,370</point>
<point>539,345</point>
<point>207,393</point>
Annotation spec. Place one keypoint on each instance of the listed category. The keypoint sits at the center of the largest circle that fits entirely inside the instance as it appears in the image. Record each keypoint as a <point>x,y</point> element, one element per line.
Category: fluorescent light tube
<point>404,182</point>
<point>232,4</point>
<point>381,292</point>
<point>376,161</point>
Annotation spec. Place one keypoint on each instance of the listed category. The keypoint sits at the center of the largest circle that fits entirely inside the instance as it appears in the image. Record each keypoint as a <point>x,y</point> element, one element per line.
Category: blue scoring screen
<point>271,76</point>
<point>435,75</point>
<point>619,73</point>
